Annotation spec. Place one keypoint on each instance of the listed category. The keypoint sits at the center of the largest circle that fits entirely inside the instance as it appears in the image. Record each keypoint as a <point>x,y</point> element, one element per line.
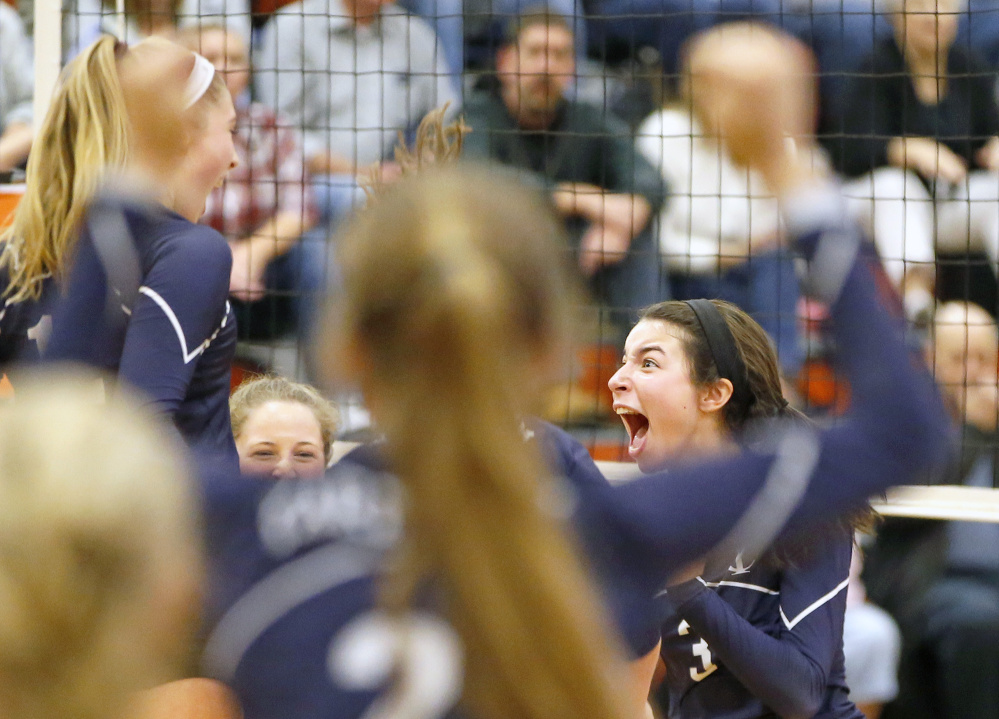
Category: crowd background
<point>590,100</point>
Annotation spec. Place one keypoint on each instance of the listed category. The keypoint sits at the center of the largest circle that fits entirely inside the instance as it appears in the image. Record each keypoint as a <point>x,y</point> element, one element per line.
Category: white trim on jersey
<point>742,585</point>
<point>277,594</point>
<point>171,315</point>
<point>814,605</point>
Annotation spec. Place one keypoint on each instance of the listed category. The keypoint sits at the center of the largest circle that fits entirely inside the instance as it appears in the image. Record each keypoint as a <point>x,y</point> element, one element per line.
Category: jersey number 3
<point>701,651</point>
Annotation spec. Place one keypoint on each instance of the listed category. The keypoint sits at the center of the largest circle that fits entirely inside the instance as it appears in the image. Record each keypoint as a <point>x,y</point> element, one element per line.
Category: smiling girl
<point>161,279</point>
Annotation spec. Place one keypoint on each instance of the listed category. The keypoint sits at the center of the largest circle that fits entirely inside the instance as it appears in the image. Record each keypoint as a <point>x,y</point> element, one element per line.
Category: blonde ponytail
<point>456,301</point>
<point>84,133</point>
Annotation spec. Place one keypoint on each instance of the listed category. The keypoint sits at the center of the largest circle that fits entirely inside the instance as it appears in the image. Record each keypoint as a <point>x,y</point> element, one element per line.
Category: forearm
<point>276,236</point>
<point>628,213</point>
<point>773,671</point>
<point>15,143</point>
<point>325,163</point>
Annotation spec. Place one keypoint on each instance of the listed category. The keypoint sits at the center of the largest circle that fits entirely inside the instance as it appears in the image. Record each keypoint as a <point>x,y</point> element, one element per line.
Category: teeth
<point>625,410</point>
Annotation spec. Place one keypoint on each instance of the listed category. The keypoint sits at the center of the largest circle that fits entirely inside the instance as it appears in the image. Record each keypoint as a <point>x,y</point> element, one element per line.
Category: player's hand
<point>153,76</point>
<point>753,87</point>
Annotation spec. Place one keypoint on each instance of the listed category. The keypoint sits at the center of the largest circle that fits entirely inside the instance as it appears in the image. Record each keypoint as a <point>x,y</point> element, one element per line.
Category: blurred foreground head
<point>754,87</point>
<point>99,556</point>
<point>456,276</point>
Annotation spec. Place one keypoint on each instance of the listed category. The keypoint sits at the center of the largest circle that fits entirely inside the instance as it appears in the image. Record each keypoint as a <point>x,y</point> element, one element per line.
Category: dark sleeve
<point>180,307</point>
<point>88,324</point>
<point>896,427</point>
<point>788,672</point>
<point>625,169</point>
<point>870,118</point>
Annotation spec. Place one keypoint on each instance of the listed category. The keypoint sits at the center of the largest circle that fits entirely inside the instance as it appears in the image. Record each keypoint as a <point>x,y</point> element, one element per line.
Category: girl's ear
<point>715,396</point>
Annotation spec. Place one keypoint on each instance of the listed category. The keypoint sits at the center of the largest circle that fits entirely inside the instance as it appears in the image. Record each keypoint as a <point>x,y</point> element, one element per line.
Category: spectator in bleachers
<point>16,90</point>
<point>920,134</point>
<point>940,580</point>
<point>351,75</point>
<point>282,428</point>
<point>603,188</point>
<point>719,234</point>
<point>265,204</point>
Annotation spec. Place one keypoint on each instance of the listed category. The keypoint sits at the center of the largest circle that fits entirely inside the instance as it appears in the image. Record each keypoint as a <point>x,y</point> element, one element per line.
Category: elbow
<point>804,704</point>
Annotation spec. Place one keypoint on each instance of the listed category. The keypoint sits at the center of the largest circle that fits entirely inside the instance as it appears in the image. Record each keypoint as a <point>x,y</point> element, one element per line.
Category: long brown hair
<point>456,298</point>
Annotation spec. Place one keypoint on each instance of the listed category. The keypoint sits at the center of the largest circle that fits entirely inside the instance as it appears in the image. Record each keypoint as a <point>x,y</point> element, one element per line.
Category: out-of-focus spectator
<point>871,646</point>
<point>90,18</point>
<point>718,235</point>
<point>603,188</point>
<point>282,429</point>
<point>940,580</point>
<point>16,90</point>
<point>351,75</point>
<point>920,134</point>
<point>265,204</point>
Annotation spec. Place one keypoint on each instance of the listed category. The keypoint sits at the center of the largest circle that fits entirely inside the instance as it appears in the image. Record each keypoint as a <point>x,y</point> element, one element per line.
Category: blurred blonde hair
<point>258,391</point>
<point>97,526</point>
<point>455,308</point>
<point>85,133</point>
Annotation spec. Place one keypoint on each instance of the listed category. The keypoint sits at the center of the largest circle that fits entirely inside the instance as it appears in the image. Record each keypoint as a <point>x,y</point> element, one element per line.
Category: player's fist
<point>753,87</point>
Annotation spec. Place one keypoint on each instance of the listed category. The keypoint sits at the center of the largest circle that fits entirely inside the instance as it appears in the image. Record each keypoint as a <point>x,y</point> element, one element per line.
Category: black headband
<point>727,359</point>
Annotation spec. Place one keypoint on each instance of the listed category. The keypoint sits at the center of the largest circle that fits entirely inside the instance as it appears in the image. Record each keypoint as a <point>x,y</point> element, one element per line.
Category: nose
<point>283,469</point>
<point>234,160</point>
<point>620,381</point>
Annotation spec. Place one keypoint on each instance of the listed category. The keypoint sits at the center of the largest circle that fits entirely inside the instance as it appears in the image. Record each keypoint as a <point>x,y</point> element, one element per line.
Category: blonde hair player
<point>146,298</point>
<point>100,555</point>
<point>282,428</point>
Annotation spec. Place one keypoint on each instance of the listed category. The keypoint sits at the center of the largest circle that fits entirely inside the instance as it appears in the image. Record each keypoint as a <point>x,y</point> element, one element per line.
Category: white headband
<point>198,81</point>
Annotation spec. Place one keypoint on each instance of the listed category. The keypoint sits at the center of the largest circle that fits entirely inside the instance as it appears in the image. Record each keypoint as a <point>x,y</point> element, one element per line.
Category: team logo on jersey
<point>740,567</point>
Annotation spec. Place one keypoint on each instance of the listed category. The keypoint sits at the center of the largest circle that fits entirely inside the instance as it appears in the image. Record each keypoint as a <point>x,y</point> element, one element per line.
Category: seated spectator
<point>16,90</point>
<point>605,191</point>
<point>351,75</point>
<point>871,645</point>
<point>940,580</point>
<point>920,135</point>
<point>265,204</point>
<point>719,234</point>
<point>282,428</point>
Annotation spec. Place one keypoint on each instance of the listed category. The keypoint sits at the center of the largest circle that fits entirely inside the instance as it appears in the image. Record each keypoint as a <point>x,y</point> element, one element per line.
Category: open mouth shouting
<point>637,425</point>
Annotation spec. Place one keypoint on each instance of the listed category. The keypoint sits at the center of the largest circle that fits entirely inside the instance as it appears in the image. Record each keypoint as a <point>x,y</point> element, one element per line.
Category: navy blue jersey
<point>25,325</point>
<point>759,641</point>
<point>146,300</point>
<point>294,565</point>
